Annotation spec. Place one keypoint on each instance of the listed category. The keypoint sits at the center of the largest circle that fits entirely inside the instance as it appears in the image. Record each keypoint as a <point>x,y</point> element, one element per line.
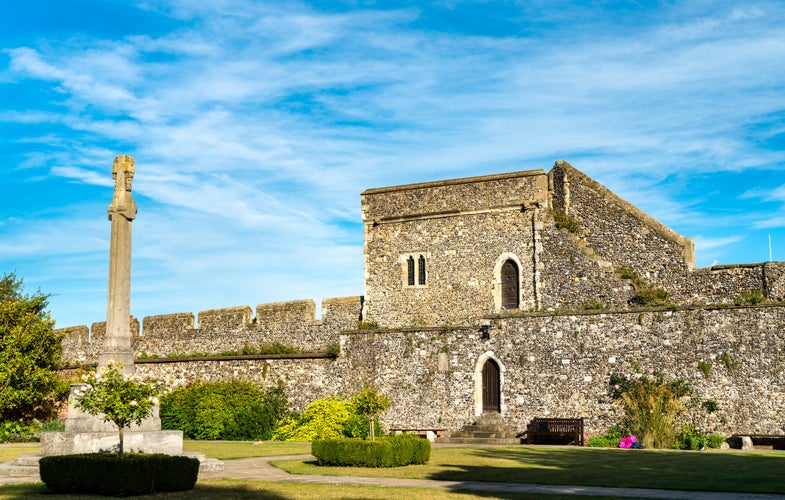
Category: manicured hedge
<point>392,451</point>
<point>108,474</point>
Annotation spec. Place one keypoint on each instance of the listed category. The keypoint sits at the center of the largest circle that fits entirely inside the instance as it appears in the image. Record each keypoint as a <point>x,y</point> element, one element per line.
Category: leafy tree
<point>370,403</point>
<point>121,398</point>
<point>30,351</point>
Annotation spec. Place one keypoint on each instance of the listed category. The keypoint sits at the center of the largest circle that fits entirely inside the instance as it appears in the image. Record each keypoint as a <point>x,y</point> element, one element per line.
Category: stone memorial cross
<point>122,211</point>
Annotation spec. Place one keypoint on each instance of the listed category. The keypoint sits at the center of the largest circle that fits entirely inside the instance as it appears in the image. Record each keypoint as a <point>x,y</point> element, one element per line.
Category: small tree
<point>370,403</point>
<point>30,351</point>
<point>122,399</point>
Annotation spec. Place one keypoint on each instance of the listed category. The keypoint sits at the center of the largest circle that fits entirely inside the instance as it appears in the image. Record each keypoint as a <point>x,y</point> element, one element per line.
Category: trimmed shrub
<point>108,474</point>
<point>233,410</point>
<point>391,451</point>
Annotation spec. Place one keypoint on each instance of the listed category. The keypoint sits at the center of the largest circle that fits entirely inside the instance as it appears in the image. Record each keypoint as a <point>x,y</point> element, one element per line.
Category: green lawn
<point>9,452</point>
<point>228,450</point>
<point>758,472</point>
<point>222,450</point>
<point>730,471</point>
<point>252,490</point>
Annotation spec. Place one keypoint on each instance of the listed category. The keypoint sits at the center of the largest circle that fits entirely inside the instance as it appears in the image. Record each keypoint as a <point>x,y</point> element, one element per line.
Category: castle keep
<point>515,294</point>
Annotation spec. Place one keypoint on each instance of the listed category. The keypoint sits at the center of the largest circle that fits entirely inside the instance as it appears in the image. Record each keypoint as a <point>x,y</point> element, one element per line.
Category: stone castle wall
<point>551,365</point>
<point>560,366</point>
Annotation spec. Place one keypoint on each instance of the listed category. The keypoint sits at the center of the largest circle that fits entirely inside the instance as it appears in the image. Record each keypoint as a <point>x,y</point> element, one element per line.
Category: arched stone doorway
<point>488,383</point>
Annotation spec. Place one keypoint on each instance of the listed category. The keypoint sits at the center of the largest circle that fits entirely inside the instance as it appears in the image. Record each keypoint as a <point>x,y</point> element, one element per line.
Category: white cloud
<point>703,244</point>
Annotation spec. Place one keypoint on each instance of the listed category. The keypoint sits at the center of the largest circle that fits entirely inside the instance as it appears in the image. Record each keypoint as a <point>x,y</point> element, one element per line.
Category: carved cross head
<point>123,172</point>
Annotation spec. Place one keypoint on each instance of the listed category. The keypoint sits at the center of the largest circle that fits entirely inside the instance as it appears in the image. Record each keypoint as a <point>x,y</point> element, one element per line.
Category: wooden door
<point>491,390</point>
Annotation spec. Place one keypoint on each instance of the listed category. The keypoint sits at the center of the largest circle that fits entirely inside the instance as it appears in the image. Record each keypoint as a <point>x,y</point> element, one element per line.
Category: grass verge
<point>676,470</point>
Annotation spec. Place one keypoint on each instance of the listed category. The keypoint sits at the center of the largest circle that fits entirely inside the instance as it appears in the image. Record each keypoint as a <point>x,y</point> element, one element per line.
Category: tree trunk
<point>120,427</point>
<point>370,420</point>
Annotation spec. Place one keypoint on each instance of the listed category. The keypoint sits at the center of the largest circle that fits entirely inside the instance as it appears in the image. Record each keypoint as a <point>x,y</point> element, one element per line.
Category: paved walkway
<point>260,469</point>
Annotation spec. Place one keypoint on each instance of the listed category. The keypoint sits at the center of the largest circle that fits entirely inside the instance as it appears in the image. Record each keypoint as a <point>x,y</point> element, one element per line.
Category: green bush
<point>357,426</point>
<point>691,438</point>
<point>323,419</point>
<point>391,451</point>
<point>326,418</point>
<point>30,352</point>
<point>233,410</point>
<point>715,440</point>
<point>16,431</point>
<point>610,439</point>
<point>108,474</point>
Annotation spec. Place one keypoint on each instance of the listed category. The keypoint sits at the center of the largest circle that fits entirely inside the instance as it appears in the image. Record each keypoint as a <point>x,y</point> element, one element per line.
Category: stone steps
<point>11,469</point>
<point>205,464</point>
<point>490,428</point>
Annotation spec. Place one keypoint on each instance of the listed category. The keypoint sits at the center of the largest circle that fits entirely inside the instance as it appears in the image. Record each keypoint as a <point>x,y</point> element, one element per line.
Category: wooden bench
<point>429,433</point>
<point>555,427</point>
<point>749,441</point>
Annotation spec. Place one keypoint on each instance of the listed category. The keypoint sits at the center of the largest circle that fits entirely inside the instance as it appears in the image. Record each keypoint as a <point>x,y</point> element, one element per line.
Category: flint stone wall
<point>560,366</point>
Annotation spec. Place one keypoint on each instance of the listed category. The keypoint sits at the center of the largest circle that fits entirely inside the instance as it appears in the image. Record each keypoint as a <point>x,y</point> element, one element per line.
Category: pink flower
<point>627,441</point>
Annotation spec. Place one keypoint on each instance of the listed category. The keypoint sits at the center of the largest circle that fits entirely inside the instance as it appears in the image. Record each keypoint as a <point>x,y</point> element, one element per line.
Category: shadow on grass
<point>287,491</point>
<point>659,469</point>
<point>210,492</point>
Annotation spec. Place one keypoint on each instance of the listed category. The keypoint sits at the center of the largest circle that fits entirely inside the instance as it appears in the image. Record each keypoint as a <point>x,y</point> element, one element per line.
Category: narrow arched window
<point>421,269</point>
<point>410,270</point>
<point>510,285</point>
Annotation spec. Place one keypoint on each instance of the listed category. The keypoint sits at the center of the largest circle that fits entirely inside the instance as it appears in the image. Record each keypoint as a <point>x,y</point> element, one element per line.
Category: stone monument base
<point>69,443</point>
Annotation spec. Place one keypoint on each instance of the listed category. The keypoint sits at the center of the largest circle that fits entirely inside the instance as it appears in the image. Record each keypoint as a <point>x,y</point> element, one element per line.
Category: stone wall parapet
<point>226,330</point>
<point>453,196</point>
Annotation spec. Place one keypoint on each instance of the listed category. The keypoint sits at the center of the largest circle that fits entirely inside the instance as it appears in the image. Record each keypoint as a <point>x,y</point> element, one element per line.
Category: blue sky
<point>255,125</point>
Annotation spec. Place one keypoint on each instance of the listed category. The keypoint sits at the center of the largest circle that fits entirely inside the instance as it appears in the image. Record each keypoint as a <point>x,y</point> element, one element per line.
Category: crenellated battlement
<point>292,323</point>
